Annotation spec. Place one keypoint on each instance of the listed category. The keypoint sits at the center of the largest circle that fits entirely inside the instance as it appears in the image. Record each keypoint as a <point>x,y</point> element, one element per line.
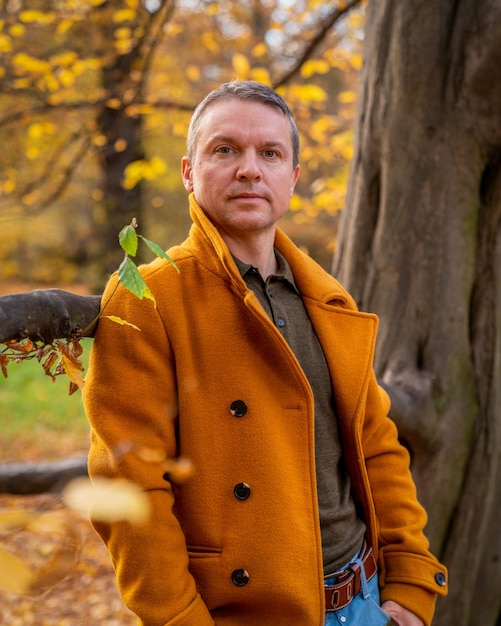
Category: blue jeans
<point>364,609</point>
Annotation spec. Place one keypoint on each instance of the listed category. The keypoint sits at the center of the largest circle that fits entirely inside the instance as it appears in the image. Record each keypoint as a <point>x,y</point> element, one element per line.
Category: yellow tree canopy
<point>153,60</point>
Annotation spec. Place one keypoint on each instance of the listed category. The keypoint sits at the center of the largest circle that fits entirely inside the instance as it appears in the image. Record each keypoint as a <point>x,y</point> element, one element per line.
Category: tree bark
<point>47,314</point>
<point>420,244</point>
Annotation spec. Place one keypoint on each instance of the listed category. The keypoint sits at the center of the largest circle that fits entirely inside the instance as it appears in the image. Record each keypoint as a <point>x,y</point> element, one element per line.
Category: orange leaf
<point>71,365</point>
<point>4,361</point>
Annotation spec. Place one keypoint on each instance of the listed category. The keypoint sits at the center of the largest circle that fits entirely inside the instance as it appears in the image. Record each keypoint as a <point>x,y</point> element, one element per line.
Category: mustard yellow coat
<point>171,388</point>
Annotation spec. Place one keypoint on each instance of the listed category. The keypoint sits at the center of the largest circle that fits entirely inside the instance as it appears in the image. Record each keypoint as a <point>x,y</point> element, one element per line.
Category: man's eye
<point>224,150</point>
<point>270,154</point>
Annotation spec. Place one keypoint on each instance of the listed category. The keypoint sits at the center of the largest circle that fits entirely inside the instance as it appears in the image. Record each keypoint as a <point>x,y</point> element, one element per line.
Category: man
<point>257,366</point>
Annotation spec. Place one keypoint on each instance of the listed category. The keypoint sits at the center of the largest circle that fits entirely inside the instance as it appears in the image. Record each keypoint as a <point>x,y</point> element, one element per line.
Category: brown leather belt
<point>348,583</point>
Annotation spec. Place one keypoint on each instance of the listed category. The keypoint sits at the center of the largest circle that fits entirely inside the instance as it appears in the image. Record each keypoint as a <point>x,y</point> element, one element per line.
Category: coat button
<point>240,577</point>
<point>238,408</point>
<point>242,491</point>
<point>441,579</point>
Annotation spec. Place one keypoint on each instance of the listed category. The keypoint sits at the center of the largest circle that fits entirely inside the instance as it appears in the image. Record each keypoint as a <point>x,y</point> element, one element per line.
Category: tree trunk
<point>120,204</point>
<point>420,244</point>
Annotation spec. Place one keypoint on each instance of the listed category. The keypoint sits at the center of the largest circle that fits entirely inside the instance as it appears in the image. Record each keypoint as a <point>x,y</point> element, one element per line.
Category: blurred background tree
<point>95,101</point>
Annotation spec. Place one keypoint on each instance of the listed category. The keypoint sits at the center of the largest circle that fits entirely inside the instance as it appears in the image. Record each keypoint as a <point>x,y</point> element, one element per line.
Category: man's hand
<point>399,615</point>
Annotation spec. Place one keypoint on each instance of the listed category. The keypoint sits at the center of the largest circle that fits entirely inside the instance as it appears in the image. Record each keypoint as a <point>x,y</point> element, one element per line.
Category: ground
<point>87,595</point>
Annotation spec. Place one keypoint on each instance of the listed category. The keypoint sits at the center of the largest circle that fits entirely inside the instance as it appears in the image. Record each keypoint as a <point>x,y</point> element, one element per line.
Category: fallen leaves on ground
<point>87,595</point>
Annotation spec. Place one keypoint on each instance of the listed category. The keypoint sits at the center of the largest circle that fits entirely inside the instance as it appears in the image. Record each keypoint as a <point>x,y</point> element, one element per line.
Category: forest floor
<point>87,595</point>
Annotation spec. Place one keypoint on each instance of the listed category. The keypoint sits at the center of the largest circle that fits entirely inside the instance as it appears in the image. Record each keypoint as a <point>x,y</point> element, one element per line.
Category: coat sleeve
<point>409,573</point>
<point>130,401</point>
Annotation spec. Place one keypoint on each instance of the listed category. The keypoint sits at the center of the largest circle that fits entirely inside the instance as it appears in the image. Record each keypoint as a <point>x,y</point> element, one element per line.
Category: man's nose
<point>248,167</point>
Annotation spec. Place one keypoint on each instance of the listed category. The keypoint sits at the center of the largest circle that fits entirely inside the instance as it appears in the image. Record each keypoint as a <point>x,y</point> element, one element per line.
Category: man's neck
<point>259,253</point>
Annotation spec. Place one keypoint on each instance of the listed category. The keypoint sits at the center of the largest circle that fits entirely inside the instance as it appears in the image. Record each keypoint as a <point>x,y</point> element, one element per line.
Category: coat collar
<point>311,280</point>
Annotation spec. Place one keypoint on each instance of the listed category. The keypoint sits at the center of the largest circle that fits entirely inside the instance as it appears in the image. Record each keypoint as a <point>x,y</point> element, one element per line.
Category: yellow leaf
<point>124,32</point>
<point>295,203</point>
<point>209,42</point>
<point>31,64</point>
<point>39,17</point>
<point>124,15</point>
<point>356,61</point>
<point>180,470</point>
<point>17,30</point>
<point>158,166</point>
<point>123,46</point>
<point>100,141</point>
<point>151,455</point>
<point>259,50</point>
<point>120,145</point>
<point>321,128</point>
<point>71,365</point>
<point>335,59</point>
<point>51,83</point>
<point>356,19</point>
<point>107,500</point>
<point>241,66</point>
<point>9,186</point>
<point>5,43</point>
<point>192,73</point>
<point>119,320</point>
<point>93,63</point>
<point>308,93</point>
<point>113,103</point>
<point>261,74</point>
<point>35,130</point>
<point>63,59</point>
<point>15,575</point>
<point>32,152</point>
<point>65,25</point>
<point>134,173</point>
<point>314,66</point>
<point>66,77</point>
<point>134,110</point>
<point>347,97</point>
<point>73,372</point>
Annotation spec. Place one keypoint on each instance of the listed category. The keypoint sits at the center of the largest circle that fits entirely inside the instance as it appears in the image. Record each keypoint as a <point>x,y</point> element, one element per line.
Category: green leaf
<point>132,280</point>
<point>159,252</point>
<point>128,240</point>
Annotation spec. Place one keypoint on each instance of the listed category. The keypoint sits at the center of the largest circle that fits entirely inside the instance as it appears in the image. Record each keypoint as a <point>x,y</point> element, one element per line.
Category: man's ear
<point>187,173</point>
<point>295,176</point>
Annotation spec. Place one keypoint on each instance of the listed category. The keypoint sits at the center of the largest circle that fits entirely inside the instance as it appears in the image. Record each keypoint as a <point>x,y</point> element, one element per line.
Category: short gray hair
<point>242,90</point>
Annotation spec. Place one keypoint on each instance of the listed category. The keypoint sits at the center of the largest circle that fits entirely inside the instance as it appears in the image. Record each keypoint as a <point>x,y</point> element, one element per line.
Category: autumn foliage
<point>96,98</point>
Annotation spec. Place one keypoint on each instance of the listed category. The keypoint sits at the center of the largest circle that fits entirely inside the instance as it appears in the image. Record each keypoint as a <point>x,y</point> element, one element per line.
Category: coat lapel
<point>348,340</point>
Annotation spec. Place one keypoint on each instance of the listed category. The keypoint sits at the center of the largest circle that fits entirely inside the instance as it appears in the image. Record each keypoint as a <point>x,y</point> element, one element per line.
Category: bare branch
<point>47,314</point>
<point>316,41</point>
<point>27,114</point>
<point>153,37</point>
<point>31,478</point>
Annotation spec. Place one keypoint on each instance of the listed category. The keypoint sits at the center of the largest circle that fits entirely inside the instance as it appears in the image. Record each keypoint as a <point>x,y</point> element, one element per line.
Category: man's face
<point>242,174</point>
